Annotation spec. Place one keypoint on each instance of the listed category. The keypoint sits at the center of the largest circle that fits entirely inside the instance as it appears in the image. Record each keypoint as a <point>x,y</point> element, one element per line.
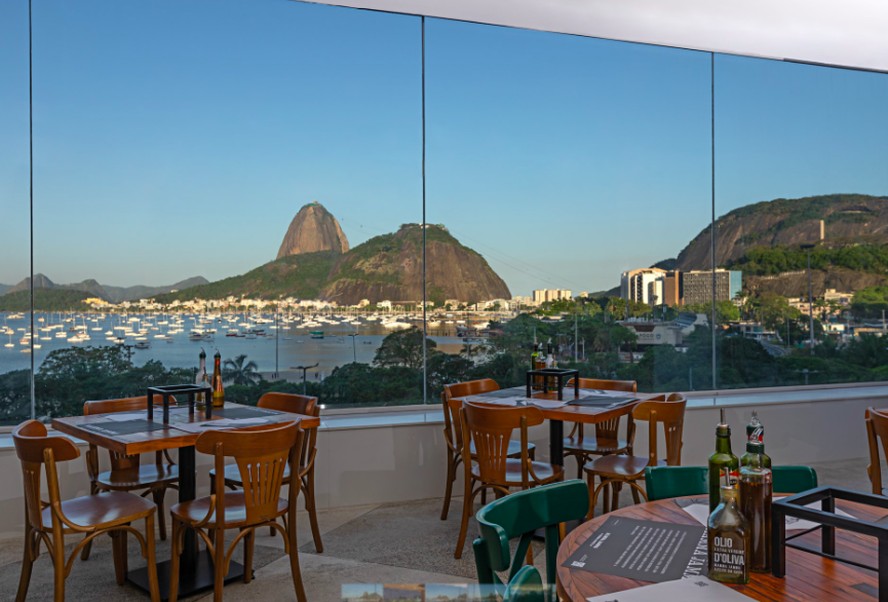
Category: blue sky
<point>180,138</point>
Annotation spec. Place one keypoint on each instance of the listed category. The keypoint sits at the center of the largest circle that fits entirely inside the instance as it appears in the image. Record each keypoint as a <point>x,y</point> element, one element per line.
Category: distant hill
<point>386,267</point>
<point>764,241</point>
<point>313,230</point>
<point>44,300</point>
<point>91,288</point>
<point>4,288</point>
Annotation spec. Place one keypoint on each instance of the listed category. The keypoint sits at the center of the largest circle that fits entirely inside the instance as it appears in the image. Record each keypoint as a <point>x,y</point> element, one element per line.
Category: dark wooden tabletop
<point>189,428</point>
<point>808,576</point>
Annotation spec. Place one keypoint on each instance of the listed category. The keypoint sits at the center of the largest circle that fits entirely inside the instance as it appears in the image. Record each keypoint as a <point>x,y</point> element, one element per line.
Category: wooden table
<point>570,413</point>
<point>808,576</point>
<point>184,429</point>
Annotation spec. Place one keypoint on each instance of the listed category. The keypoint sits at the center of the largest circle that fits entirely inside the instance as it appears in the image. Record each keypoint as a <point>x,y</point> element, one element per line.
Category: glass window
<point>569,164</point>
<point>801,176</point>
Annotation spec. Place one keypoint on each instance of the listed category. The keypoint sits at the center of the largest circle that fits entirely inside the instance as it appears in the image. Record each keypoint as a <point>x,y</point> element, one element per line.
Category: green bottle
<point>727,536</point>
<point>723,464</point>
<point>755,433</point>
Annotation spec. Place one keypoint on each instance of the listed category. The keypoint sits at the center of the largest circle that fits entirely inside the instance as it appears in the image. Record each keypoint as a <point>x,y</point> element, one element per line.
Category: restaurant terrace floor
<point>385,543</point>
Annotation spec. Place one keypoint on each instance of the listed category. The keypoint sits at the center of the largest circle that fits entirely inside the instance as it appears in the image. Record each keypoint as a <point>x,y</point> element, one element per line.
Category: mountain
<point>390,267</point>
<point>4,288</point>
<point>764,240</point>
<point>386,267</point>
<point>849,218</point>
<point>313,230</point>
<point>91,288</point>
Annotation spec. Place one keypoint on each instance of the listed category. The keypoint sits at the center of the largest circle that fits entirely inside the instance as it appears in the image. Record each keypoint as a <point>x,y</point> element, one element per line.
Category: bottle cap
<point>217,354</point>
<point>755,447</point>
<point>203,353</point>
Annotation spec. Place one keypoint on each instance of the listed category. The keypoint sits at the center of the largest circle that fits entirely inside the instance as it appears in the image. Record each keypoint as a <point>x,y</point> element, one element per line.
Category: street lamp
<point>304,370</point>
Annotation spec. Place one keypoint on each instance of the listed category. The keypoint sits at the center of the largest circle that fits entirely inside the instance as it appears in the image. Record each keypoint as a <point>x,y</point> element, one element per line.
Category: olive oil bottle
<point>728,540</point>
<point>218,389</point>
<point>723,464</point>
<point>755,504</point>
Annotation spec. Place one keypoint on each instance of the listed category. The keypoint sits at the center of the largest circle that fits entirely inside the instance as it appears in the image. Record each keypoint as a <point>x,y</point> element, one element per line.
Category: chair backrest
<point>452,424</point>
<point>519,515</point>
<point>607,385</point>
<point>662,482</point>
<point>306,405</point>
<point>490,428</point>
<point>261,455</point>
<point>667,410</point>
<point>876,432</point>
<point>526,586</point>
<point>608,429</point>
<point>35,448</point>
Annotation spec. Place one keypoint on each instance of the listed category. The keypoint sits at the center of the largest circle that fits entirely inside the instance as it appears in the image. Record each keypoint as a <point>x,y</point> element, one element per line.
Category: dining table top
<point>808,576</point>
<point>623,402</point>
<point>183,429</point>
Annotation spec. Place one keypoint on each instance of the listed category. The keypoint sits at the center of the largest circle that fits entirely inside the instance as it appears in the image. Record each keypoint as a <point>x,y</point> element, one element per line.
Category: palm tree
<point>239,373</point>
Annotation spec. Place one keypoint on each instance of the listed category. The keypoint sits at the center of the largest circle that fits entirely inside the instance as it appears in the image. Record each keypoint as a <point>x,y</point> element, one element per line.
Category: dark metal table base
<point>189,581</point>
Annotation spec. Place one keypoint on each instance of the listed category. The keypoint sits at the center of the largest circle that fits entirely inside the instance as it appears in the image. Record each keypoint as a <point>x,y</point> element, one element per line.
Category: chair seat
<point>514,448</point>
<point>544,471</point>
<point>194,511</point>
<point>102,510</point>
<point>619,467</point>
<point>145,475</point>
<point>595,445</point>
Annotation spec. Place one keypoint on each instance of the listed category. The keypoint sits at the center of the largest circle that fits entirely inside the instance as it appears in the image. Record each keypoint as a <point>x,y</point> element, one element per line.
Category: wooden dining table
<point>557,416</point>
<point>141,435</point>
<point>808,576</point>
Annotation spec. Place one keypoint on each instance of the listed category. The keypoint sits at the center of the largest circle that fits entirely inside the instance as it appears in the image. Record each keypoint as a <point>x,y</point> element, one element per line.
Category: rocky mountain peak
<point>313,229</point>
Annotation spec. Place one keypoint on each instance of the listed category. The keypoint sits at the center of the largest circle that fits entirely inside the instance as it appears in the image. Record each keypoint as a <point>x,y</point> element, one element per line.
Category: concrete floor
<point>403,543</point>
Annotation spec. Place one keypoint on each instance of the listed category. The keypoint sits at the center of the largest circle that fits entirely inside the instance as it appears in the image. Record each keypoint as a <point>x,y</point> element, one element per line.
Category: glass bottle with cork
<point>727,536</point>
<point>723,464</point>
<point>218,389</point>
<point>755,503</point>
<point>201,378</point>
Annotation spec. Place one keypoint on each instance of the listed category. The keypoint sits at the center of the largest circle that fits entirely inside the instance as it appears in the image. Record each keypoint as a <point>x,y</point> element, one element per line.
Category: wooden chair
<point>615,470</point>
<point>261,455</point>
<point>606,439</point>
<point>490,428</point>
<point>453,430</point>
<point>48,521</point>
<point>297,404</point>
<point>876,432</point>
<point>128,473</point>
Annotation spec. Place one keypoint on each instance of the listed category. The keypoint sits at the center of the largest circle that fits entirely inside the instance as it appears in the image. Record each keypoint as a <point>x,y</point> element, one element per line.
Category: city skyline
<point>562,160</point>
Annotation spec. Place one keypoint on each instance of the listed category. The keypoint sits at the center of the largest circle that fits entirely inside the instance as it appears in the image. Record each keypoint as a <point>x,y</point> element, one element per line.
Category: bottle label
<point>727,555</point>
<point>733,475</point>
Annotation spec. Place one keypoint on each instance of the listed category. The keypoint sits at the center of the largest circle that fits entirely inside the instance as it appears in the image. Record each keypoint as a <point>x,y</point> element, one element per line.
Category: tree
<point>237,372</point>
<point>404,348</point>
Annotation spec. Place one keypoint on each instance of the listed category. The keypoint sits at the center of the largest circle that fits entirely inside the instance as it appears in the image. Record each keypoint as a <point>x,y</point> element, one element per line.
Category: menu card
<point>692,589</point>
<point>699,509</point>
<point>643,550</point>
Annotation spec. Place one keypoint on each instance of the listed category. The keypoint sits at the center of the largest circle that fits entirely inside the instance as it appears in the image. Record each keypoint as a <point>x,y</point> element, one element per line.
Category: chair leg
<point>218,564</point>
<point>118,545</point>
<point>58,562</point>
<point>634,488</point>
<point>153,584</point>
<point>468,498</point>
<point>593,495</point>
<point>27,563</point>
<point>448,488</point>
<point>158,495</point>
<point>294,559</point>
<point>249,540</point>
<point>174,561</point>
<point>308,486</point>
<point>616,488</point>
<point>84,553</point>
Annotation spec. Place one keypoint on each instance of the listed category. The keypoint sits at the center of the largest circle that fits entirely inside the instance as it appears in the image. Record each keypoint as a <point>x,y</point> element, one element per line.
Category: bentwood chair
<point>127,472</point>
<point>614,470</point>
<point>296,404</point>
<point>518,517</point>
<point>261,455</point>
<point>453,430</point>
<point>490,428</point>
<point>661,482</point>
<point>48,521</point>
<point>605,439</point>
<point>525,586</point>
<point>876,433</point>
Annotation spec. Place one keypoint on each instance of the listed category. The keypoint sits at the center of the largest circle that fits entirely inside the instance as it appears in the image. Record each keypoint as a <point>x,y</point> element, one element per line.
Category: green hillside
<point>45,300</point>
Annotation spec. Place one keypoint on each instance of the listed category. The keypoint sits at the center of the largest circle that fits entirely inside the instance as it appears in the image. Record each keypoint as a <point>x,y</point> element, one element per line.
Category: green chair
<point>518,516</point>
<point>526,586</point>
<point>675,481</point>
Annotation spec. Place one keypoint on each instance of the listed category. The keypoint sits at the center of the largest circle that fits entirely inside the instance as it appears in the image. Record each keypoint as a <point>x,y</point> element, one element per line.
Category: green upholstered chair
<point>525,586</point>
<point>676,481</point>
<point>518,516</point>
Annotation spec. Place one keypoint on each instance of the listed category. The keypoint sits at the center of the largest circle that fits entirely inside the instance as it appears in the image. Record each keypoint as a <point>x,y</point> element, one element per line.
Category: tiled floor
<point>388,543</point>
